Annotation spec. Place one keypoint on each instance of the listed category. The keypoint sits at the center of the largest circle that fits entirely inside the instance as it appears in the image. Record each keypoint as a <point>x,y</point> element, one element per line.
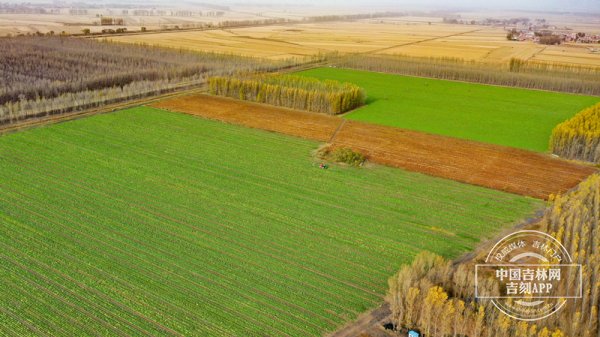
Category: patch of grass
<point>506,116</point>
<point>149,222</point>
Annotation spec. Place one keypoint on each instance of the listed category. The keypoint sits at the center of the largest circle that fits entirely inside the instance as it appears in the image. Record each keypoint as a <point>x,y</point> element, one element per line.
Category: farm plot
<point>145,222</point>
<point>292,40</point>
<point>505,116</point>
<point>259,116</point>
<point>570,53</point>
<point>499,167</point>
<point>421,38</point>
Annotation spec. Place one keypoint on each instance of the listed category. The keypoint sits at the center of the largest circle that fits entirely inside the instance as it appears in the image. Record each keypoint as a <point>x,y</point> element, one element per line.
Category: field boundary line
<point>337,130</point>
<point>536,53</point>
<point>379,50</point>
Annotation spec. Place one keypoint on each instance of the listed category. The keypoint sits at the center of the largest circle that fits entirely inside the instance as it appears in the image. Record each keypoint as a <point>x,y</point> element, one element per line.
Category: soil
<point>498,167</point>
<point>287,121</point>
<point>502,168</point>
<point>369,324</point>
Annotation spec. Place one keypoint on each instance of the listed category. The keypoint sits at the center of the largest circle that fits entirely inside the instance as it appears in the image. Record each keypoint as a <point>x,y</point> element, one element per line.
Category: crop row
<point>146,222</point>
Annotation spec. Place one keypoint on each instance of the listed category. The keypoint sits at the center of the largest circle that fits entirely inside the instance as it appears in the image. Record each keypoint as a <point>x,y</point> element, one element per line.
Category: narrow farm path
<point>379,50</point>
<point>335,133</point>
<point>370,322</point>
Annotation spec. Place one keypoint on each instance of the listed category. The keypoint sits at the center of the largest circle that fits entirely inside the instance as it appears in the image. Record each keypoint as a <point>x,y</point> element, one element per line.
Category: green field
<point>149,222</point>
<point>506,116</point>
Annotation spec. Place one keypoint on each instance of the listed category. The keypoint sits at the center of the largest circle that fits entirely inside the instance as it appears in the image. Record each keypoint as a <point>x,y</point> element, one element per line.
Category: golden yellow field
<point>74,24</point>
<point>406,37</point>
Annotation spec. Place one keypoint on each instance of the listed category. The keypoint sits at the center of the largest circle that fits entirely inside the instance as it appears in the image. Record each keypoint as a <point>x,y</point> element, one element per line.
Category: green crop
<point>149,222</point>
<point>491,114</point>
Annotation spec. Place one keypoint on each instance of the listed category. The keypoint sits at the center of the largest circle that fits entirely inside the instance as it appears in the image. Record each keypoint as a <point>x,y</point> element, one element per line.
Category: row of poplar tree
<point>579,137</point>
<point>49,74</point>
<point>516,73</point>
<point>296,92</point>
<point>436,296</point>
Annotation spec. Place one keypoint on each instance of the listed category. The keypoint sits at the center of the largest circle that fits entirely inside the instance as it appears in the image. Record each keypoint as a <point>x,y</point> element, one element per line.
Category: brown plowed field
<point>502,168</point>
<point>290,122</point>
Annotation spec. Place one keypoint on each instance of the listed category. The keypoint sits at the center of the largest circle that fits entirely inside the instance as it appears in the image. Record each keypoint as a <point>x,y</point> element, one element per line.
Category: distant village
<point>551,37</point>
<point>538,30</point>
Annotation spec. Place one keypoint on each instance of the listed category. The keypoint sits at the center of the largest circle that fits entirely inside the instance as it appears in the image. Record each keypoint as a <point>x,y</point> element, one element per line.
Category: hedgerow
<point>297,92</point>
<point>579,137</point>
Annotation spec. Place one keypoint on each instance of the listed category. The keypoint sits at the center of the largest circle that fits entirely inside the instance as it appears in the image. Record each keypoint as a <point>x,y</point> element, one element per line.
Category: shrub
<point>346,155</point>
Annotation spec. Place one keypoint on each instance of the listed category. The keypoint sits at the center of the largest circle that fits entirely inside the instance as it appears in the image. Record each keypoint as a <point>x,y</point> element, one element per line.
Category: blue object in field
<point>413,333</point>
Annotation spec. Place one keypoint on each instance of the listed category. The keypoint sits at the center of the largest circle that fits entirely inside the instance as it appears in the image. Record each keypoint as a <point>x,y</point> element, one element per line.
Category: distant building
<point>542,36</point>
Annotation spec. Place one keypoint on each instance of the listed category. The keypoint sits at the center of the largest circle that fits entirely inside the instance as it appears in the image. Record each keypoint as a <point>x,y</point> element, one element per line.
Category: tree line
<point>516,73</point>
<point>588,72</point>
<point>296,92</point>
<point>436,296</point>
<point>352,17</point>
<point>579,137</point>
<point>248,23</point>
<point>49,74</point>
<point>76,101</point>
<point>574,220</point>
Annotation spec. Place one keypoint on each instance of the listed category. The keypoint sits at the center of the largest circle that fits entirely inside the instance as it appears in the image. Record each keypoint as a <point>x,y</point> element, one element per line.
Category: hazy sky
<point>589,6</point>
<point>539,5</point>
